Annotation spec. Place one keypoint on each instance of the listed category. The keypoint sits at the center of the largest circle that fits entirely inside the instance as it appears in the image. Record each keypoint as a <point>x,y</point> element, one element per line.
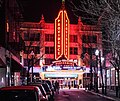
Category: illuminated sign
<point>66,35</point>
<point>73,68</point>
<point>61,75</point>
<point>58,35</point>
<point>52,68</point>
<point>62,35</point>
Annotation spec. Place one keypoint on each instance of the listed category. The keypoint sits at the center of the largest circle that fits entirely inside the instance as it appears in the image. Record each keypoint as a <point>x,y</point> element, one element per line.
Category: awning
<point>2,64</point>
<point>15,66</point>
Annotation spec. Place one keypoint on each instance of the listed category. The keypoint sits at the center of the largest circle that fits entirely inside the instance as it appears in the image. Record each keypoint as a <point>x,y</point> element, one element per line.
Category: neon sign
<point>52,68</point>
<point>62,35</point>
<point>66,35</point>
<point>58,35</point>
<point>61,75</point>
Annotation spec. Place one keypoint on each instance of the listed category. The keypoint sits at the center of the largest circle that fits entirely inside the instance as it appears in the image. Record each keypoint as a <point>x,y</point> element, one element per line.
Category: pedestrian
<point>69,85</point>
<point>57,86</point>
<point>53,84</point>
<point>86,86</point>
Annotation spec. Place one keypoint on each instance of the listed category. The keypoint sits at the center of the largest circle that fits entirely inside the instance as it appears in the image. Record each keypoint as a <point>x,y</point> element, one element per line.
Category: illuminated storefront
<point>68,74</point>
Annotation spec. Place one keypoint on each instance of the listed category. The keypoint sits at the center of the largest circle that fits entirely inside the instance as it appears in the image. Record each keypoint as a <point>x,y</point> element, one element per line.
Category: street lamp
<point>97,52</point>
<point>96,81</point>
<point>32,54</point>
<point>101,59</point>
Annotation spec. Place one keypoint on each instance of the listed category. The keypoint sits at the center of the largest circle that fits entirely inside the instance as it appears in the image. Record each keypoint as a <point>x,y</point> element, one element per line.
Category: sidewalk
<point>110,94</point>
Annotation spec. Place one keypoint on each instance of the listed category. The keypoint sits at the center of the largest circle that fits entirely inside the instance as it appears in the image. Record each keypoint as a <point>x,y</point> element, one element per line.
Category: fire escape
<point>15,43</point>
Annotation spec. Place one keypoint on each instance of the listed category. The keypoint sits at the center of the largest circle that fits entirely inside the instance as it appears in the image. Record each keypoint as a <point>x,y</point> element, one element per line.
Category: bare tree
<point>37,57</point>
<point>107,13</point>
<point>29,47</point>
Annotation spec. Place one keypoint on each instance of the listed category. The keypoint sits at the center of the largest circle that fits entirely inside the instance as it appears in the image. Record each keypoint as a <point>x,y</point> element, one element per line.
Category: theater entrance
<point>65,78</point>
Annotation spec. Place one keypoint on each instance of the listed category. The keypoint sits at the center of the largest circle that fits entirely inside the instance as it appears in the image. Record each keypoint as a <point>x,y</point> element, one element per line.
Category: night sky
<point>33,9</point>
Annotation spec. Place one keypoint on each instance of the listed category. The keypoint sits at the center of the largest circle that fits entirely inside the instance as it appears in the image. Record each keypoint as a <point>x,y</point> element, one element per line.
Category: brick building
<point>60,44</point>
<point>11,42</point>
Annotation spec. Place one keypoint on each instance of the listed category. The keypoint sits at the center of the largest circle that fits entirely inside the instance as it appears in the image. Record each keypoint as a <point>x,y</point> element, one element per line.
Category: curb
<point>113,99</point>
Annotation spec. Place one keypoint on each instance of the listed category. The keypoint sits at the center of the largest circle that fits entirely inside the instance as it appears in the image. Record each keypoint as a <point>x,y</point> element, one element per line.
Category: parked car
<point>50,85</point>
<point>44,93</point>
<point>21,93</point>
<point>48,90</point>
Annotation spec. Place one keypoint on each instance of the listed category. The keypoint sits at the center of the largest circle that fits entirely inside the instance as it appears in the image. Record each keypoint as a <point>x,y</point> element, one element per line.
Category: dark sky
<point>32,10</point>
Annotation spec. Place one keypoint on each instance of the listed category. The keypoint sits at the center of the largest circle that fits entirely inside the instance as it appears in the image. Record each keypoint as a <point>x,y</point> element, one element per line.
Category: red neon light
<point>66,35</point>
<point>62,35</point>
<point>58,36</point>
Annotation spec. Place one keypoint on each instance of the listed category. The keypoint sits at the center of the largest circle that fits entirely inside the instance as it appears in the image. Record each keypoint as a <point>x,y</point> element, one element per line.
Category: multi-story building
<point>11,43</point>
<point>61,49</point>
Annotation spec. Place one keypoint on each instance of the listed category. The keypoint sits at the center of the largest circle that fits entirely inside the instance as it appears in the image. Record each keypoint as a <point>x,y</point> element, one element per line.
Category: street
<point>77,95</point>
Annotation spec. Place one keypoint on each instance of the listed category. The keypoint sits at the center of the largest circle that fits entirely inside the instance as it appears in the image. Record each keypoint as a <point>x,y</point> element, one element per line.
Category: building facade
<point>61,49</point>
<point>11,43</point>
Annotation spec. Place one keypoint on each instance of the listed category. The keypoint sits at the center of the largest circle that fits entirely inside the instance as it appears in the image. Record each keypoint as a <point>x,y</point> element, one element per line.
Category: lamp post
<point>101,71</point>
<point>96,81</point>
<point>101,59</point>
<point>32,54</point>
<point>105,76</point>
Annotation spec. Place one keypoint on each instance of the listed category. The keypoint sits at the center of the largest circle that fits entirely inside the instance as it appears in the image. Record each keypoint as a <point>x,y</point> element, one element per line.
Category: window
<point>73,38</point>
<point>71,50</point>
<point>89,39</point>
<point>46,50</point>
<point>84,50</point>
<point>26,49</point>
<point>35,49</point>
<point>49,50</point>
<point>32,36</point>
<point>46,37</point>
<point>74,50</point>
<point>36,62</point>
<point>49,37</point>
<point>26,36</point>
<point>84,38</point>
<point>37,37</point>
<point>48,61</point>
<point>94,39</point>
<point>89,50</point>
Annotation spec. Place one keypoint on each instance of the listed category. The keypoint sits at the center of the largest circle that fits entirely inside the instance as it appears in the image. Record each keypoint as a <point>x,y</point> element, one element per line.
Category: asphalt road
<point>77,95</point>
